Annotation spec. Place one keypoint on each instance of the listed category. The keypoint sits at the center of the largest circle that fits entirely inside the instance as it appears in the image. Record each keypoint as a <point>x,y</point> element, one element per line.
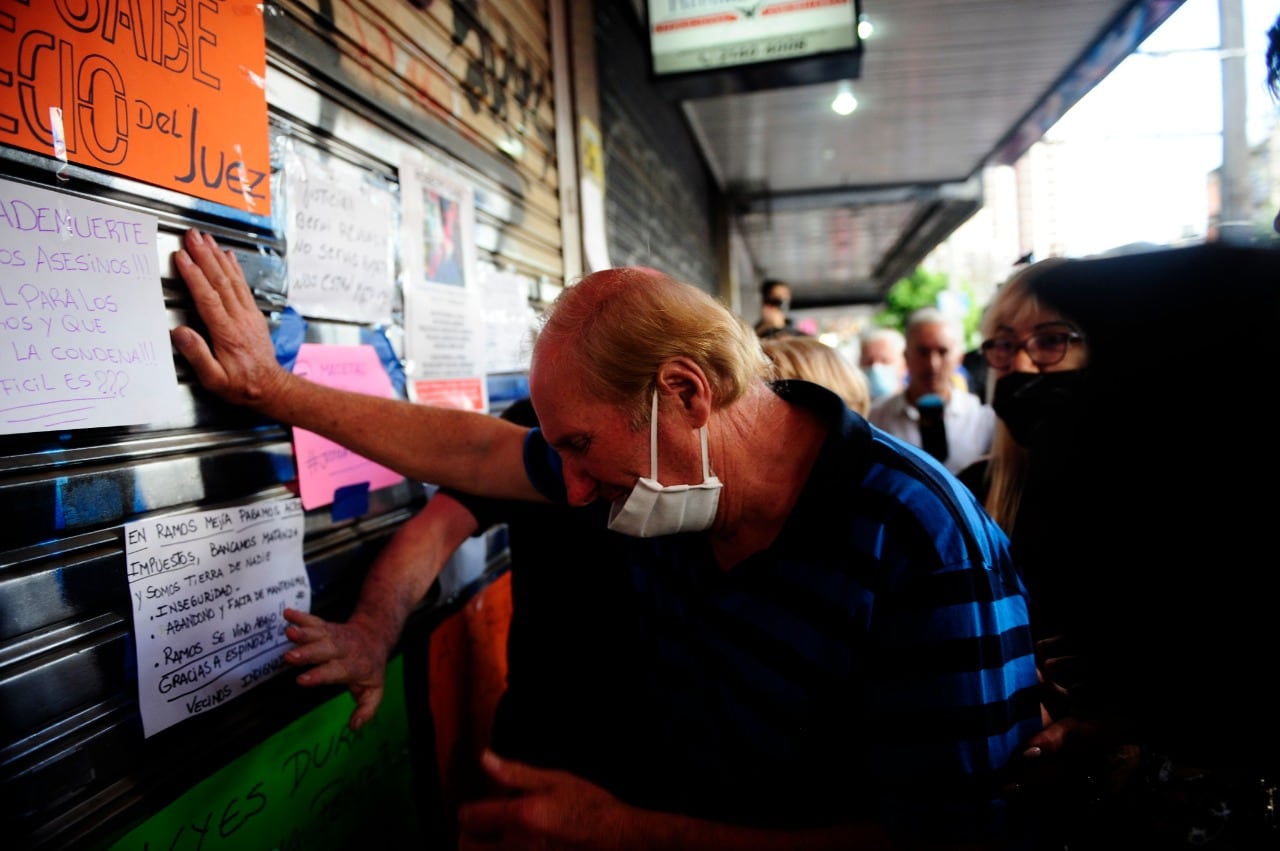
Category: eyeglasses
<point>777,302</point>
<point>1045,348</point>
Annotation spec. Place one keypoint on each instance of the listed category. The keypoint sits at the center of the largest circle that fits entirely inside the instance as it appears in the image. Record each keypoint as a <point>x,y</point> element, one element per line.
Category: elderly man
<point>931,412</point>
<point>882,356</point>
<point>839,652</point>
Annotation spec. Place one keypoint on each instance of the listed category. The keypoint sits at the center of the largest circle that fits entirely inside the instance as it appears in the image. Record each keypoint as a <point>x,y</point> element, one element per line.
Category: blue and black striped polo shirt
<point>874,662</point>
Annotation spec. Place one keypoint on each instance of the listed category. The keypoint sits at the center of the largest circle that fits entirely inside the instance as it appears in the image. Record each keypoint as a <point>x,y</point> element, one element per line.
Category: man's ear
<point>685,381</point>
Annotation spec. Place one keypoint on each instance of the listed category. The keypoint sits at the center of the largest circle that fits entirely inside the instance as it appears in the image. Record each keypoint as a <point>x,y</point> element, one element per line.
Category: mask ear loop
<point>706,460</point>
<point>653,439</point>
<point>653,444</point>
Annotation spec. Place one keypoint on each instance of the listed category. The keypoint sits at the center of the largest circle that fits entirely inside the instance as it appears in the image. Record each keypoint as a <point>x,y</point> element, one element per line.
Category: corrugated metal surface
<point>473,80</point>
<point>360,81</point>
<point>658,194</point>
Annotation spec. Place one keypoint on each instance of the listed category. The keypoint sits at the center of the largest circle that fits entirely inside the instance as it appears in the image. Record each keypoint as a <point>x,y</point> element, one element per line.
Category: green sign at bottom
<point>315,785</point>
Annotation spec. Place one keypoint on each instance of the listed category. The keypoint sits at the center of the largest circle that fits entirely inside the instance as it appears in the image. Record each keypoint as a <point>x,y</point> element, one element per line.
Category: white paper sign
<point>209,589</point>
<point>84,338</point>
<point>510,321</point>
<point>444,331</point>
<point>339,229</point>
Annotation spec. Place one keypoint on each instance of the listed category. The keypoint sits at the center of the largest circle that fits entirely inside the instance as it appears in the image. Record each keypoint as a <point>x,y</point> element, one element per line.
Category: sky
<point>1145,138</point>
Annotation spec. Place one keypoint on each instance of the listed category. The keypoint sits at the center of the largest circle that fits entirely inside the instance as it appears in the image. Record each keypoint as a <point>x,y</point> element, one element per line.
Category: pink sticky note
<point>325,466</point>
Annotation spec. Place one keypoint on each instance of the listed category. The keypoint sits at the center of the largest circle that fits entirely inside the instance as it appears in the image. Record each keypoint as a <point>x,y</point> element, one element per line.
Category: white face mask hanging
<point>651,510</point>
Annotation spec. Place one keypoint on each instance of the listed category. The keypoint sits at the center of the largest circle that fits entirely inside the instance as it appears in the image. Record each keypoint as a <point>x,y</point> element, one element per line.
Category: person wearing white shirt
<point>932,412</point>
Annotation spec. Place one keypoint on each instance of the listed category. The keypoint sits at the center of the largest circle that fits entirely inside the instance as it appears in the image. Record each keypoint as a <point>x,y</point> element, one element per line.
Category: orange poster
<point>170,93</point>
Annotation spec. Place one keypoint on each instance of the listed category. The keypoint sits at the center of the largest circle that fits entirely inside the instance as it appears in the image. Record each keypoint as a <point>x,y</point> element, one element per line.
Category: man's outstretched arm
<point>469,451</point>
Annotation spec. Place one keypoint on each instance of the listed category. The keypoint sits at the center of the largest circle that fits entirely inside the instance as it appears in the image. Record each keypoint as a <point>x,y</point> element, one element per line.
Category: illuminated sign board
<point>698,36</point>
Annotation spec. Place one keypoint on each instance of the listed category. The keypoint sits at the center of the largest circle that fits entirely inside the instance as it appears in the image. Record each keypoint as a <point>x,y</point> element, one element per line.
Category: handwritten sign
<point>316,784</point>
<point>324,466</point>
<point>209,590</point>
<point>84,341</point>
<point>169,94</point>
<point>339,227</point>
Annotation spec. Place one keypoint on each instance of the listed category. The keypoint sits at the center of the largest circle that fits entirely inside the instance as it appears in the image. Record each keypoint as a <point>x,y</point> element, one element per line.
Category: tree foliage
<point>922,289</point>
<point>917,290</point>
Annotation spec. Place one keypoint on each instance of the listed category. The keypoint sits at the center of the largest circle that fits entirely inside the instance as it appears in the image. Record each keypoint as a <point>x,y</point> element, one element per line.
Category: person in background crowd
<point>1151,618</point>
<point>750,695</point>
<point>775,311</point>
<point>1023,337</point>
<point>931,412</point>
<point>810,359</point>
<point>883,358</point>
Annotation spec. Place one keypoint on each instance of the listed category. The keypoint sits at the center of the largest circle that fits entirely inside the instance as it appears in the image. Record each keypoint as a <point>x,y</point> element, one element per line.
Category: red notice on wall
<point>172,94</point>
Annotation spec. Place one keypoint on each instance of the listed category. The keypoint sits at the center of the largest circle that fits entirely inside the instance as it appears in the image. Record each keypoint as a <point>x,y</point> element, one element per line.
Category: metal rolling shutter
<point>358,80</point>
<point>659,196</point>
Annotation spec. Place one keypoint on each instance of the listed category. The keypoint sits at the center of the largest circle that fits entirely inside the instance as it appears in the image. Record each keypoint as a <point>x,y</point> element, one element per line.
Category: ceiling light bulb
<point>865,27</point>
<point>844,103</point>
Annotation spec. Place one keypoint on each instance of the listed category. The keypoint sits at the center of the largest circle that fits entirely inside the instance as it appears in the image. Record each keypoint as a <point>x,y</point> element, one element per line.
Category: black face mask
<point>1041,408</point>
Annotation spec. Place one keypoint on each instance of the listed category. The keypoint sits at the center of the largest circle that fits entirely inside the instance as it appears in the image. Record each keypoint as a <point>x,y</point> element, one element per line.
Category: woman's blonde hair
<point>813,360</point>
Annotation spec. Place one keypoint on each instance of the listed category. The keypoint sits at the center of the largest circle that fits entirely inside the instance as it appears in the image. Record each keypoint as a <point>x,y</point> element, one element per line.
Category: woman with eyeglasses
<point>1040,353</point>
<point>1140,516</point>
<point>1031,485</point>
